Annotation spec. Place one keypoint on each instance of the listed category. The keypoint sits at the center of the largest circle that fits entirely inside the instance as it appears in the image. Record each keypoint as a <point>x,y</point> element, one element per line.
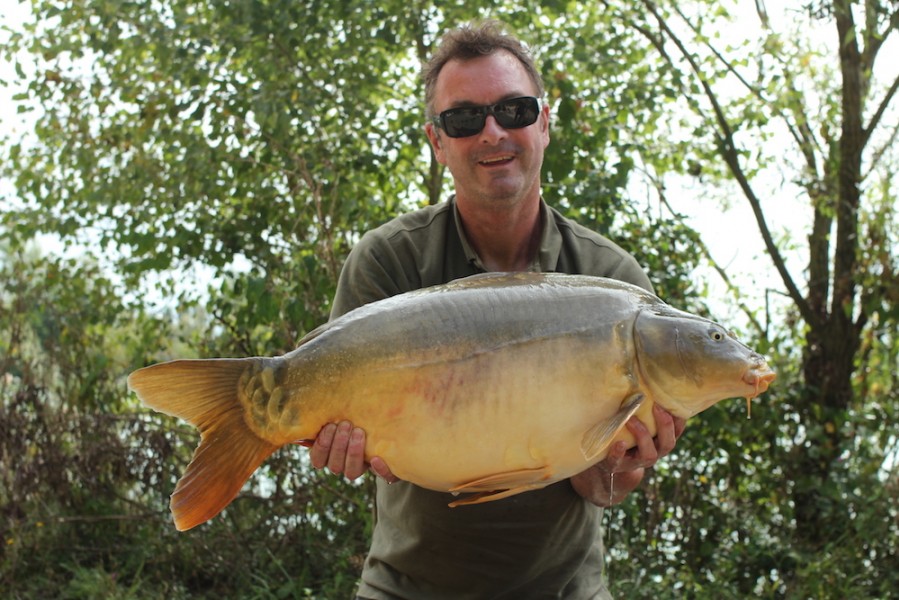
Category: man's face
<point>497,165</point>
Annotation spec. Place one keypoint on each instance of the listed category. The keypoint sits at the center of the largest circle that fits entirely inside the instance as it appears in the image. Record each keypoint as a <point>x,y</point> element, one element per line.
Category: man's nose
<point>493,131</point>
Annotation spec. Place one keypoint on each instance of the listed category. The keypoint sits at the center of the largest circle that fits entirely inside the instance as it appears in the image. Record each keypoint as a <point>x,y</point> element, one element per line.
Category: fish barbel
<point>487,386</point>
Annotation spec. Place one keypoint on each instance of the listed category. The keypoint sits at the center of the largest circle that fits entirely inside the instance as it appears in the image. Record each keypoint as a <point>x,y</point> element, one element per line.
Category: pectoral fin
<point>597,438</point>
<point>501,485</point>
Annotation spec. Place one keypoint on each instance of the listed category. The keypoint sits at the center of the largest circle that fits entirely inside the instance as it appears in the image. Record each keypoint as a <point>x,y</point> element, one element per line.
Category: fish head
<point>690,363</point>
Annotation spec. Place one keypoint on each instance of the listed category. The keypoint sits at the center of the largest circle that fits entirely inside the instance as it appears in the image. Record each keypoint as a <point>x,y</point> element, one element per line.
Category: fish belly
<point>523,407</point>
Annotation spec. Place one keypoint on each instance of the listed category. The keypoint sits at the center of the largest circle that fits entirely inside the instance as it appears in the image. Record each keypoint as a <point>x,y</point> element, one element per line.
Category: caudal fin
<point>205,394</point>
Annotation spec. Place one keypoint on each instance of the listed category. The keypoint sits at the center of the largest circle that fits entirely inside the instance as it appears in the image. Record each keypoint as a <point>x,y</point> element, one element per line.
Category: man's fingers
<point>665,434</point>
<point>680,424</point>
<point>355,456</point>
<point>381,470</point>
<point>339,446</point>
<point>646,452</point>
<point>321,449</point>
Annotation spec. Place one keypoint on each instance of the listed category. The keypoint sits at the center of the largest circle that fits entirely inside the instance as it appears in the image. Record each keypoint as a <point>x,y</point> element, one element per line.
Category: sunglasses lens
<point>517,113</point>
<point>463,122</point>
<point>510,114</point>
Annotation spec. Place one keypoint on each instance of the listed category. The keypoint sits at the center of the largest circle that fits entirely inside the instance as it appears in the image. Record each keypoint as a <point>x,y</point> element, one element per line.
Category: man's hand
<point>341,448</point>
<point>621,471</point>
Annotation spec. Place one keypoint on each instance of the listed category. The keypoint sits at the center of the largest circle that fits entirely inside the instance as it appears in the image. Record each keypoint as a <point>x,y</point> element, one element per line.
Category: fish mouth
<point>759,377</point>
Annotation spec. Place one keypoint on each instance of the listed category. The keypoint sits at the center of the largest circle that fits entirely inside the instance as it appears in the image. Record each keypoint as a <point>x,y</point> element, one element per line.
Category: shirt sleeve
<point>372,272</point>
<point>630,271</point>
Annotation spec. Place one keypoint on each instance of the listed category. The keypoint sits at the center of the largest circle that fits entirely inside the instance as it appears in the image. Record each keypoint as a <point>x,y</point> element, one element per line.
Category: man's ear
<point>435,138</point>
<point>545,131</point>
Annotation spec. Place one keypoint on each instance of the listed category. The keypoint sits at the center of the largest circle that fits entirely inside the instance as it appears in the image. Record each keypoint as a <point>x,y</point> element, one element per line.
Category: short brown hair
<point>473,41</point>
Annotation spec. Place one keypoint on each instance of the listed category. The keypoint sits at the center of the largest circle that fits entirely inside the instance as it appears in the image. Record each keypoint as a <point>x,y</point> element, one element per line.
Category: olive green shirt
<point>540,544</point>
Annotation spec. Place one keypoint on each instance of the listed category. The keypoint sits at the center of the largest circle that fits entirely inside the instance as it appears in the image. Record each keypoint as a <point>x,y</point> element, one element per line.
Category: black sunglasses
<point>465,121</point>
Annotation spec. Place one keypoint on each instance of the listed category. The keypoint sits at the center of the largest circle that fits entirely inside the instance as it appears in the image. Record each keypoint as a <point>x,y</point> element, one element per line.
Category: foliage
<point>221,158</point>
<point>85,468</point>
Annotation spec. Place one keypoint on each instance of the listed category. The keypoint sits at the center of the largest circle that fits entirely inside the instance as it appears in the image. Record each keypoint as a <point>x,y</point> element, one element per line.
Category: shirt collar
<point>547,254</point>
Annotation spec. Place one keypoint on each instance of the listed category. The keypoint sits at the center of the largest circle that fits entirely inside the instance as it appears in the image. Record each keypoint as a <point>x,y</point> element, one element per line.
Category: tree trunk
<point>833,341</point>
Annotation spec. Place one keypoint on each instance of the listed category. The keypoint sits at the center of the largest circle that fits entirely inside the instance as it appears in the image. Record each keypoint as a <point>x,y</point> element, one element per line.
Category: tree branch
<point>707,254</point>
<point>800,132</point>
<point>875,39</point>
<point>877,154</point>
<point>872,124</point>
<point>728,151</point>
<point>101,518</point>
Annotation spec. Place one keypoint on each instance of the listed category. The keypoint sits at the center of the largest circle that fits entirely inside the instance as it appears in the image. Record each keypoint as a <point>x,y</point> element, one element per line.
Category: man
<point>489,127</point>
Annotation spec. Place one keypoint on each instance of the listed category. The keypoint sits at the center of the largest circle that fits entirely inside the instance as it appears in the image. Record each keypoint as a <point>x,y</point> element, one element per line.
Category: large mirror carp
<point>485,387</point>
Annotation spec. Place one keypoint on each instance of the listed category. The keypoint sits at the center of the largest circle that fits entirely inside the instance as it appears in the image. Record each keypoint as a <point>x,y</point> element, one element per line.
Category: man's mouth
<point>496,160</point>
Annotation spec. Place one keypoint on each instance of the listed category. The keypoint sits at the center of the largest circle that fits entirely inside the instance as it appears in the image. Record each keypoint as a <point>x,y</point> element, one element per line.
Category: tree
<point>833,108</point>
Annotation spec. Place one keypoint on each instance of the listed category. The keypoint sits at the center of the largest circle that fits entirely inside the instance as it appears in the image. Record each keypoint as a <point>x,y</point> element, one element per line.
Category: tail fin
<point>205,394</point>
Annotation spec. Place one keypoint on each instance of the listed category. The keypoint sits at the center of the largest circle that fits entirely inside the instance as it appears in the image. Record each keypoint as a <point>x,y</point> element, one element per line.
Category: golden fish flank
<point>491,385</point>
